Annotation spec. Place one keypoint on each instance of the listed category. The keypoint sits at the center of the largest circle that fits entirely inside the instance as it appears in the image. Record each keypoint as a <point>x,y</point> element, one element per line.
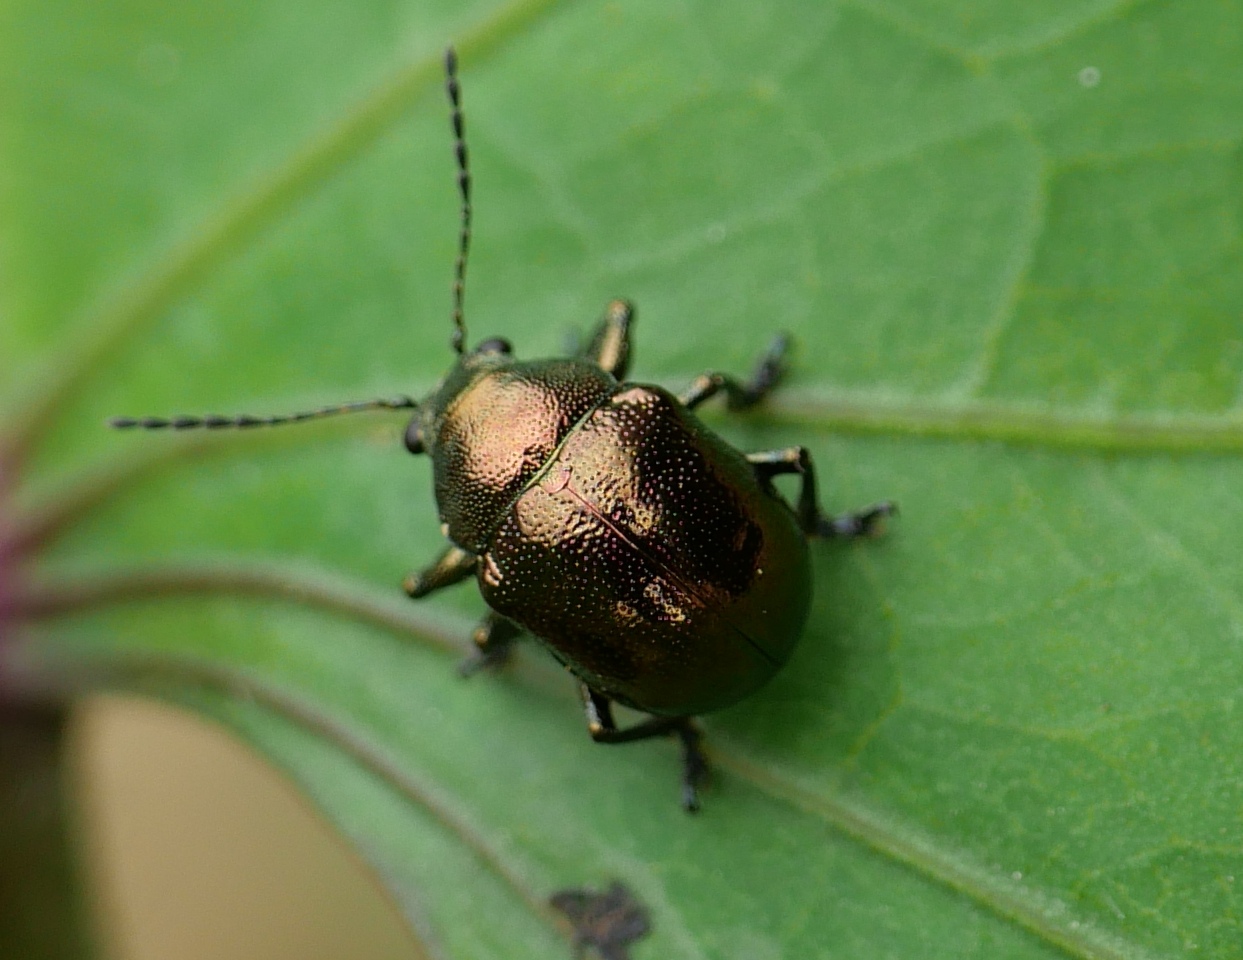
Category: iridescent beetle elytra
<point>655,561</point>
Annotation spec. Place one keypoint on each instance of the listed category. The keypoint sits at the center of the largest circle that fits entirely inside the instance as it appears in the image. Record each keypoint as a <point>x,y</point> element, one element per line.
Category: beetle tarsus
<point>768,374</point>
<point>813,520</point>
<point>493,637</point>
<point>861,523</point>
<point>479,660</point>
<point>694,764</point>
<point>740,395</point>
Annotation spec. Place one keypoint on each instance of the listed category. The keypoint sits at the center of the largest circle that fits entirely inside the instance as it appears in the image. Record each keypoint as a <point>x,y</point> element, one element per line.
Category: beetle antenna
<point>215,422</point>
<point>463,183</point>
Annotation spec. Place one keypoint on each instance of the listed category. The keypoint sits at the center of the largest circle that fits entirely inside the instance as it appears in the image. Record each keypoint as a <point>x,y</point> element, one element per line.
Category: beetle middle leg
<point>603,729</point>
<point>742,395</point>
<point>811,518</point>
<point>494,634</point>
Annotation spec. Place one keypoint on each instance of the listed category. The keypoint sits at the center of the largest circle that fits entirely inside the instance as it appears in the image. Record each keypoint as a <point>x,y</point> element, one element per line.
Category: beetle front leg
<point>452,566</point>
<point>767,375</point>
<point>609,348</point>
<point>493,637</point>
<point>603,729</point>
<point>811,518</point>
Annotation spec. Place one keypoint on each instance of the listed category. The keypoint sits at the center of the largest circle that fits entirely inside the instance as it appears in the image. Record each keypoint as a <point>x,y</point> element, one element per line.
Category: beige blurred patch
<point>198,850</point>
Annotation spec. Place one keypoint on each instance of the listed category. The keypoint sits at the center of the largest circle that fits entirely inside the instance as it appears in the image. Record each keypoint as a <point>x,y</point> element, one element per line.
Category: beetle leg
<point>811,518</point>
<point>452,566</point>
<point>609,347</point>
<point>603,729</point>
<point>857,523</point>
<point>494,637</point>
<point>767,375</point>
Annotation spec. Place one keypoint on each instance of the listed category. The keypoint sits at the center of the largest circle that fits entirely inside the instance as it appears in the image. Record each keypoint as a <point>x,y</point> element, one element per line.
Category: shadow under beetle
<point>655,561</point>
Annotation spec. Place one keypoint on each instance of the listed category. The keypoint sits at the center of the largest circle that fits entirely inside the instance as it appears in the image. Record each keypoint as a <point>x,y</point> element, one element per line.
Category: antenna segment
<point>215,422</point>
<point>463,182</point>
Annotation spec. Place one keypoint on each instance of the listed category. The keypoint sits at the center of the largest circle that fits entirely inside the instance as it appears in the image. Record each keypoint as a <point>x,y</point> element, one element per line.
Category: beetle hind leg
<point>739,395</point>
<point>847,526</point>
<point>603,729</point>
<point>494,639</point>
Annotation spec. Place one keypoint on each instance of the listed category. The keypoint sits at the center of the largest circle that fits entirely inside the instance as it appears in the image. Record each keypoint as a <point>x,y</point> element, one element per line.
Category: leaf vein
<point>1047,919</point>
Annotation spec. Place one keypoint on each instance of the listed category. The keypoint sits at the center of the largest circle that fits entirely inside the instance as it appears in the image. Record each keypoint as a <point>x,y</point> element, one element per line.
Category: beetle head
<point>486,357</point>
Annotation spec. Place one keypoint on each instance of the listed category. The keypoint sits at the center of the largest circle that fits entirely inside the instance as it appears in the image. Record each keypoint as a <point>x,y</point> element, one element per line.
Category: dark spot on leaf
<point>607,922</point>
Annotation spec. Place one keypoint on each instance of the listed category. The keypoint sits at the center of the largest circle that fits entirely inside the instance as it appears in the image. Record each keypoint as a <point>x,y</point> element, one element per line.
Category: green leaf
<point>1007,242</point>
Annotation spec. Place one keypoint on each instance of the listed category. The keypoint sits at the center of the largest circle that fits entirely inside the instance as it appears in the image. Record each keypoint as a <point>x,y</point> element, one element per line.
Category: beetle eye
<point>495,345</point>
<point>413,438</point>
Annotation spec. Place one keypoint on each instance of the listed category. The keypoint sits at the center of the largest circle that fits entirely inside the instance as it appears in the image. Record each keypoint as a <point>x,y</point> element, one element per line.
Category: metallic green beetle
<point>655,561</point>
